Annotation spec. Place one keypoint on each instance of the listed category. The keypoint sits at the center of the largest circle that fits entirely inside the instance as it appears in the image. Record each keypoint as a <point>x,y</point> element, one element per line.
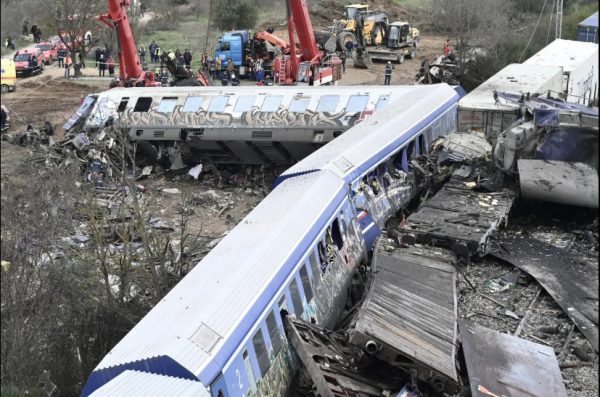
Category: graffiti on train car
<point>253,118</point>
<point>276,381</point>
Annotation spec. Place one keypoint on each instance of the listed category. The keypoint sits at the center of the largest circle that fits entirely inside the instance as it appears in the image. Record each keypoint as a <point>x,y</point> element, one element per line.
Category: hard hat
<point>390,62</point>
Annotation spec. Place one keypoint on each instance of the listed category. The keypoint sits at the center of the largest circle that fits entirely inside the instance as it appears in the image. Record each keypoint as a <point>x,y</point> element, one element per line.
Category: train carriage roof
<point>196,327</point>
<point>362,147</point>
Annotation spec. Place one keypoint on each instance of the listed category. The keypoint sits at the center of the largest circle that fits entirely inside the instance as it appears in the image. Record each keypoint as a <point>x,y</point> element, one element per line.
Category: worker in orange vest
<point>68,64</point>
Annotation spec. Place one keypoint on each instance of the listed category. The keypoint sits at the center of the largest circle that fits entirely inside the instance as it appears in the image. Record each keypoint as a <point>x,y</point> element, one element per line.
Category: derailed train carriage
<point>236,125</point>
<point>219,332</point>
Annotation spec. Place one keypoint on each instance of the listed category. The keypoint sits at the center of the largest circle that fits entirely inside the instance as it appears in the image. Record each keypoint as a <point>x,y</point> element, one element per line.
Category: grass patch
<point>412,4</point>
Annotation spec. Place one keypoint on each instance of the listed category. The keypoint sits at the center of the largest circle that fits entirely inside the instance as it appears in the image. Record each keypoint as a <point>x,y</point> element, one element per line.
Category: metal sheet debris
<point>573,284</point>
<point>335,366</point>
<point>460,218</point>
<point>503,365</point>
<point>559,182</point>
<point>408,318</point>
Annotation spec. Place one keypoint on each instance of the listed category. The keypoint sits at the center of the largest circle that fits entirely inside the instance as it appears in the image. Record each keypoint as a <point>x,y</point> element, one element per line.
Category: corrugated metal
<point>358,147</point>
<point>514,78</point>
<point>143,384</point>
<point>221,291</point>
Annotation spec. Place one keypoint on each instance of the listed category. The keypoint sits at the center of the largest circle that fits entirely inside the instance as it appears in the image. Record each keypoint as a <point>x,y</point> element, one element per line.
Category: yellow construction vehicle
<point>374,25</point>
<point>400,41</point>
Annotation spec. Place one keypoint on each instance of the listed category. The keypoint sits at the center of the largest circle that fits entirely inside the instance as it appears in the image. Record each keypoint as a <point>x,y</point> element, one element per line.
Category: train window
<point>192,104</point>
<point>383,100</point>
<point>167,105</point>
<point>299,105</point>
<point>357,103</point>
<point>123,104</point>
<point>283,309</point>
<point>328,103</point>
<point>274,333</point>
<point>271,103</point>
<point>336,235</point>
<point>421,149</point>
<point>308,293</point>
<point>244,103</point>
<point>314,266</point>
<point>296,300</point>
<point>258,341</point>
<point>143,104</point>
<point>218,103</point>
<point>322,256</point>
<point>248,366</point>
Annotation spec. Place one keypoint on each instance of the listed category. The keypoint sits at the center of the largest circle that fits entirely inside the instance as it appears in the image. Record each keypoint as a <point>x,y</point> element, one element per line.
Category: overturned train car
<point>219,332</point>
<point>237,125</point>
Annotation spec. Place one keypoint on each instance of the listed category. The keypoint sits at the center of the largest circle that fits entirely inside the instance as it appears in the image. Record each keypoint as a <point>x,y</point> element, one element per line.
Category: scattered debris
<point>572,283</point>
<point>408,318</point>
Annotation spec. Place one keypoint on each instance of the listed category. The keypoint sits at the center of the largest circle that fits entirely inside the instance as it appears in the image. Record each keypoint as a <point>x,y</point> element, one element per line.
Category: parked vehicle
<point>9,75</point>
<point>235,45</point>
<point>49,51</point>
<point>28,62</point>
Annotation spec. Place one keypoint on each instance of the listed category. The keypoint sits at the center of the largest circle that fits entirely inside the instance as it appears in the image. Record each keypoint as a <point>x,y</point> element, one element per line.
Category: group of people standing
<point>104,61</point>
<point>158,55</point>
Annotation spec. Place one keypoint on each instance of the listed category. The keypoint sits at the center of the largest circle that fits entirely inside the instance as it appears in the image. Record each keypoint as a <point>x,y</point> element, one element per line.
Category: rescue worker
<point>157,53</point>
<point>97,57</point>
<point>230,67</point>
<point>4,119</point>
<point>349,46</point>
<point>152,51</point>
<point>388,73</point>
<point>81,58</point>
<point>142,53</point>
<point>9,43</point>
<point>187,58</point>
<point>26,27</point>
<point>102,63</point>
<point>164,77</point>
<point>111,66</point>
<point>343,56</point>
<point>60,55</point>
<point>218,67</point>
<point>447,48</point>
<point>68,64</point>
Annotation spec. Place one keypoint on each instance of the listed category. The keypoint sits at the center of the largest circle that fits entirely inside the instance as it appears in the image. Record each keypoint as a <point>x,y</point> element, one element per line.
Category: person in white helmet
<point>388,73</point>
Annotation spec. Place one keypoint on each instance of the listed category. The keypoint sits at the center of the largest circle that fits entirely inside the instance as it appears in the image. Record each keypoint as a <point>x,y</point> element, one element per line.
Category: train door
<point>219,387</point>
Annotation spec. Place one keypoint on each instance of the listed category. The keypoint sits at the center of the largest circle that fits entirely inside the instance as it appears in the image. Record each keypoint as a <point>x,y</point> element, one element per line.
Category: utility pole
<point>208,23</point>
<point>559,15</point>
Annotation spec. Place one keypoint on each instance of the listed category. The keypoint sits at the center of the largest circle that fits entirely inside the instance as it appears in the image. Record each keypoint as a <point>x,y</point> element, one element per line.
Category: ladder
<point>281,73</point>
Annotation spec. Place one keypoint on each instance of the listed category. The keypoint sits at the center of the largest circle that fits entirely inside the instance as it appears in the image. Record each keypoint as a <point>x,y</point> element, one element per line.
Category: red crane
<point>130,69</point>
<point>312,67</point>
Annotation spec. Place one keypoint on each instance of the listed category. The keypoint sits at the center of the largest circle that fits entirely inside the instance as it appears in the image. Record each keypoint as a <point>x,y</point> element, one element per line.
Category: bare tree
<point>475,27</point>
<point>76,22</point>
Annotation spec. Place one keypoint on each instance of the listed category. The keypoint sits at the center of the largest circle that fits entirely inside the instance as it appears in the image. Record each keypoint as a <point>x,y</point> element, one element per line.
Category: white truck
<point>479,111</point>
<point>579,62</point>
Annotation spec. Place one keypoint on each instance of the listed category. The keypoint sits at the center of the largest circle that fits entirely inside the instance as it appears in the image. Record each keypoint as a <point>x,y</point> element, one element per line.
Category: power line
<point>549,24</point>
<point>534,29</point>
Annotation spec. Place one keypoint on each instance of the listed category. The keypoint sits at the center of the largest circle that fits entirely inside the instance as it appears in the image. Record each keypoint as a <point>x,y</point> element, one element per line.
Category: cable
<point>534,29</point>
<point>550,24</point>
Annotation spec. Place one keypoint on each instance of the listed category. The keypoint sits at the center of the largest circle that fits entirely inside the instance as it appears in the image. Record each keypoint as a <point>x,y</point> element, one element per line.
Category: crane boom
<point>304,29</point>
<point>130,68</point>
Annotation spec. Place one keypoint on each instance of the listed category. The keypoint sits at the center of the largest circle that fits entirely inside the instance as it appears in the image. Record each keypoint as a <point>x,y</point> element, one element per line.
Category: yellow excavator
<point>377,38</point>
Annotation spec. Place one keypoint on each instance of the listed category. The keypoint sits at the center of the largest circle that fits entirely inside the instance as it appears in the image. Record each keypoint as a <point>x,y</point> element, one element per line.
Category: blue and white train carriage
<point>240,125</point>
<point>219,332</point>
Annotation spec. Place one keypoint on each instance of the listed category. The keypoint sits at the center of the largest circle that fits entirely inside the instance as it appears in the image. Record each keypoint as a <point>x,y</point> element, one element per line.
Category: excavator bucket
<point>361,59</point>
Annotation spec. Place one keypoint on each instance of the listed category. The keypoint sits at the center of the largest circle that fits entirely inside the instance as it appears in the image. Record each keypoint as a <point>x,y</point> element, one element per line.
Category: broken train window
<point>142,104</point>
<point>336,234</point>
<point>274,333</point>
<point>123,104</point>
<point>296,300</point>
<point>308,293</point>
<point>260,348</point>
